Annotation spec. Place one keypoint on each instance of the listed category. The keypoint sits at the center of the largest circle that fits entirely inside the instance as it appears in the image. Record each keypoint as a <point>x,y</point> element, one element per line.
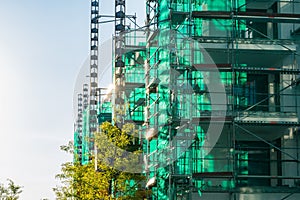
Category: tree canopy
<point>85,183</point>
<point>11,191</point>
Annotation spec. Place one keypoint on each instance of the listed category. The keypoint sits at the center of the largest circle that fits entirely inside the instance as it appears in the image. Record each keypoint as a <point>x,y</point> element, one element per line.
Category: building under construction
<point>213,88</point>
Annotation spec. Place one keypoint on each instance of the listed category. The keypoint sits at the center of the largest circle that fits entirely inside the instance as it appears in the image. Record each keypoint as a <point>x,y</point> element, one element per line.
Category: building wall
<point>219,196</point>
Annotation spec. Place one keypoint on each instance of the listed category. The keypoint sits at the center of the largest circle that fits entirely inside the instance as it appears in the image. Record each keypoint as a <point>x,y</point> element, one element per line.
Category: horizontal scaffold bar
<point>253,16</point>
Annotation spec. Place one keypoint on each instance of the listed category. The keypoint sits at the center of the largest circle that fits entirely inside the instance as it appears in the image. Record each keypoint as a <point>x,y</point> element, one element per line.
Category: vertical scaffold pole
<point>94,42</point>
<point>119,73</point>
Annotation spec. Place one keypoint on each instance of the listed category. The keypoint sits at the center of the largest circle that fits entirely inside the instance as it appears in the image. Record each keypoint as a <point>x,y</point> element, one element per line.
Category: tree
<point>81,182</point>
<point>85,183</point>
<point>117,154</point>
<point>10,192</point>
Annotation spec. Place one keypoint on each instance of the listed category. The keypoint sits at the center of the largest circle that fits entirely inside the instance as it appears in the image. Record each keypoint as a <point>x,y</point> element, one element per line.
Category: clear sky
<point>43,44</point>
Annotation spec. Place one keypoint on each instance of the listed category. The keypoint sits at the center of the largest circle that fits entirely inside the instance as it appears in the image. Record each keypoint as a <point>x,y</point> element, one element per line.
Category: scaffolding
<point>86,134</point>
<point>245,46</point>
<point>129,55</point>
<point>98,101</point>
<point>212,86</point>
<point>88,114</point>
<point>78,130</point>
<point>81,129</point>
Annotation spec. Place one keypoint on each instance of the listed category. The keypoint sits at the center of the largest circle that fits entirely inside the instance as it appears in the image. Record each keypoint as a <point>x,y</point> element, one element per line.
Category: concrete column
<point>273,167</point>
<point>270,26</point>
<point>289,168</point>
<point>272,103</point>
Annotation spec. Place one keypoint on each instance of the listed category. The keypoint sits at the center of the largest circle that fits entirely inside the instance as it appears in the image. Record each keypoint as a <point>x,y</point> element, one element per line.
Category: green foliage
<point>10,192</point>
<point>83,182</point>
<point>67,148</point>
<point>113,146</point>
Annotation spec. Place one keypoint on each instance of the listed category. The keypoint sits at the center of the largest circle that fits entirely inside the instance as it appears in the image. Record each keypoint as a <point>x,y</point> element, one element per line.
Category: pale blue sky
<point>43,44</point>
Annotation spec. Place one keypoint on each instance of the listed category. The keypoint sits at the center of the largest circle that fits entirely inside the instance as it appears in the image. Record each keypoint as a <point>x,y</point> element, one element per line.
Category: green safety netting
<point>77,146</point>
<point>171,64</point>
<point>86,135</point>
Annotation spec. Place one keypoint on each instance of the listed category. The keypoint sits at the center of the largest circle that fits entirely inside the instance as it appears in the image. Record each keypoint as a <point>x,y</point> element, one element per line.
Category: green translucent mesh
<point>76,146</point>
<point>166,60</point>
<point>85,137</point>
<point>167,67</point>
